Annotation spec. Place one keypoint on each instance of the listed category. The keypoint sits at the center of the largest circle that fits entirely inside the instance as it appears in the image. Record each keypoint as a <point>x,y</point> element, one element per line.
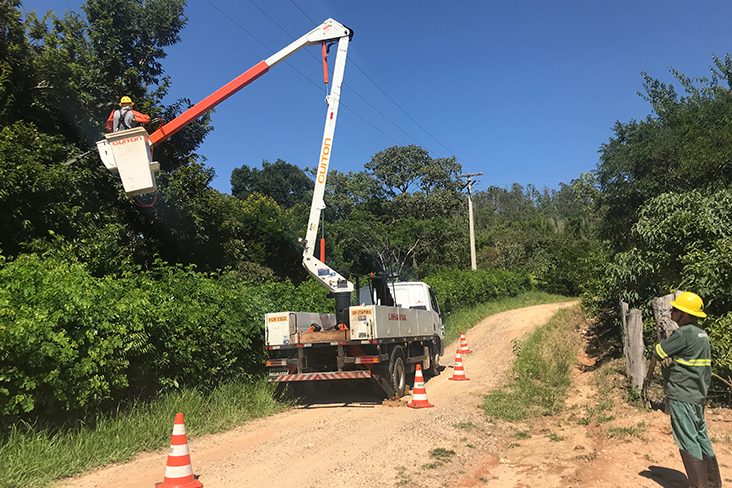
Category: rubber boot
<point>696,470</point>
<point>713,476</point>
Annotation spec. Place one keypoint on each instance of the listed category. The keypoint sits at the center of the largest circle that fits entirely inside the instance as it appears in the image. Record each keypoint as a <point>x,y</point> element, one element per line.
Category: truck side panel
<point>282,327</point>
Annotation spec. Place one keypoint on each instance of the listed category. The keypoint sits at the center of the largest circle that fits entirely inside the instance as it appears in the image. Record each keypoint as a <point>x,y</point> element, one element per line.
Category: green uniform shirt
<point>691,373</point>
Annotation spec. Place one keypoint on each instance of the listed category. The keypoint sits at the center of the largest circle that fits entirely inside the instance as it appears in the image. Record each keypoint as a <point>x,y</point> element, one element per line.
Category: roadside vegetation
<point>34,454</point>
<point>462,320</point>
<point>541,371</point>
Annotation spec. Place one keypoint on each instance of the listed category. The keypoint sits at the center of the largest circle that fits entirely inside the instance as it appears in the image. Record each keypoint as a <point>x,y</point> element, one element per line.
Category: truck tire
<point>398,372</point>
<point>434,368</point>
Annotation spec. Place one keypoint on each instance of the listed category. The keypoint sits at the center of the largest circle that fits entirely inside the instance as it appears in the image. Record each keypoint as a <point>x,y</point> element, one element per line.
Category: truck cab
<point>408,294</point>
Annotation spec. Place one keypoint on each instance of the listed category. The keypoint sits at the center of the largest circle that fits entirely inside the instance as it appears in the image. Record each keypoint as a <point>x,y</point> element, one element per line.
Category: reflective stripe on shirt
<point>694,362</point>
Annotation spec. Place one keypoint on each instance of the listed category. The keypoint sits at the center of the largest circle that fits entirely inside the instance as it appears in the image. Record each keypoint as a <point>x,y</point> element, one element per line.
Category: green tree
<point>287,184</point>
<point>665,204</point>
<point>685,146</point>
<point>408,214</point>
<point>17,76</point>
<point>61,76</point>
<point>548,234</point>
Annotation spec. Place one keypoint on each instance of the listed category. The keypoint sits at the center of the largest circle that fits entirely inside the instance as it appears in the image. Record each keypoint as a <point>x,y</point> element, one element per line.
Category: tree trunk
<point>662,315</point>
<point>664,326</point>
<point>633,347</point>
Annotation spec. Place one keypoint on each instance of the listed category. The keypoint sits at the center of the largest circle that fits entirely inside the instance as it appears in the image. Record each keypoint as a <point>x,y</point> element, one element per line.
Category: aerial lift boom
<point>128,152</point>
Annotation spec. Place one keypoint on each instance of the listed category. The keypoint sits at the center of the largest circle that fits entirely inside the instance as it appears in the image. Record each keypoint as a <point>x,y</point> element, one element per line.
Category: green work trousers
<point>690,428</point>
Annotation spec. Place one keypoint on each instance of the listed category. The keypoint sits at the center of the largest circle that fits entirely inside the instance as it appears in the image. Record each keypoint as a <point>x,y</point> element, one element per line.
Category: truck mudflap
<point>343,375</point>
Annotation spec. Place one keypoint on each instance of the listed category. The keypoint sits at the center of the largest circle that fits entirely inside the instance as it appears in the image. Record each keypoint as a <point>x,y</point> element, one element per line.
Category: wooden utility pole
<point>473,262</point>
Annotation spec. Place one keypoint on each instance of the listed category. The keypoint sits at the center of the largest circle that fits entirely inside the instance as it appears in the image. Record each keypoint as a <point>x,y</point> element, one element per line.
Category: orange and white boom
<point>128,152</point>
<point>319,270</point>
<point>328,31</point>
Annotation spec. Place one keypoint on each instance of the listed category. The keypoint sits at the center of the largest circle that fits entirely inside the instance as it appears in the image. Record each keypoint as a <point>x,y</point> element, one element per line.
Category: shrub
<point>70,341</point>
<point>468,288</point>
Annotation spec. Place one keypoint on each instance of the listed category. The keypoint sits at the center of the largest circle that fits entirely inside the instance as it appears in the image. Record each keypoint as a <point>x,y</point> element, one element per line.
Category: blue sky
<point>523,91</point>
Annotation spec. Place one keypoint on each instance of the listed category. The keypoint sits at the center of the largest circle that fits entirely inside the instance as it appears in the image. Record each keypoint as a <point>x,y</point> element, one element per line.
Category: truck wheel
<point>398,372</point>
<point>434,368</point>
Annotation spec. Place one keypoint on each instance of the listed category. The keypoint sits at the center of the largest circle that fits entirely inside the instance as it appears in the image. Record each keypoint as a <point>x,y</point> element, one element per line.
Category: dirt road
<point>352,440</point>
<point>357,441</point>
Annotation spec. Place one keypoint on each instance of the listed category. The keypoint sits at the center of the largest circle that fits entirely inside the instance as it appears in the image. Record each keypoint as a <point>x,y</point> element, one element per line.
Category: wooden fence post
<point>633,347</point>
<point>662,315</point>
<point>664,326</point>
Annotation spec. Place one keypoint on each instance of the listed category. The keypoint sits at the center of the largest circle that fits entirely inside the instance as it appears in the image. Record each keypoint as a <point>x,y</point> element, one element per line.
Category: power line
<point>387,96</point>
<point>303,12</point>
<point>297,70</point>
<point>364,99</point>
<point>351,88</point>
<point>400,108</point>
<point>238,25</point>
<point>346,84</point>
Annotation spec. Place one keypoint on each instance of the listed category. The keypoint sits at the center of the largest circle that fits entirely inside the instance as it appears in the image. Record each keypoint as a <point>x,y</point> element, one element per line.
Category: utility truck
<point>391,328</point>
<point>381,338</point>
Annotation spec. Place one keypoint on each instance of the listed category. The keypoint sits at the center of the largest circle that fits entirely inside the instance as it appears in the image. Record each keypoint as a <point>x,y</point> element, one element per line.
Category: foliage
<point>408,218</point>
<point>463,319</point>
<point>665,204</point>
<point>544,234</point>
<point>61,78</point>
<point>720,338</point>
<point>468,288</point>
<point>72,342</point>
<point>287,184</point>
<point>685,146</point>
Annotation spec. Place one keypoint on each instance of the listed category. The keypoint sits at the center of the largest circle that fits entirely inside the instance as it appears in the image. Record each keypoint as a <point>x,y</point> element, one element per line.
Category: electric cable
<point>347,85</point>
<point>385,94</point>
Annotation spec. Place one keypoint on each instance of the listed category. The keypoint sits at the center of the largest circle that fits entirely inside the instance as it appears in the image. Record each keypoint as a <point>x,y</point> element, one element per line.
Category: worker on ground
<point>124,117</point>
<point>687,362</point>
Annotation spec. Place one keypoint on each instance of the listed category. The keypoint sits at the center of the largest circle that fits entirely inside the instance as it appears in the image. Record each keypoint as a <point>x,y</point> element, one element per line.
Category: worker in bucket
<point>124,117</point>
<point>687,362</point>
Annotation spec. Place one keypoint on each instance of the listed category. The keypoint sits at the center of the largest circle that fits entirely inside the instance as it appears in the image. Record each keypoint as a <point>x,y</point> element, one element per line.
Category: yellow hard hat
<point>690,303</point>
<point>126,100</point>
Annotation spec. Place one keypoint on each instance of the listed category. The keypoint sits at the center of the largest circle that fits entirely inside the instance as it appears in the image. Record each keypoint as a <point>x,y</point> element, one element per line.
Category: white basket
<point>128,153</point>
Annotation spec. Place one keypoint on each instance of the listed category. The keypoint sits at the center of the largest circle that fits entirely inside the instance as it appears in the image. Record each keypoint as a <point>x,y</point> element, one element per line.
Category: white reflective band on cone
<point>178,450</point>
<point>179,471</point>
<point>179,429</point>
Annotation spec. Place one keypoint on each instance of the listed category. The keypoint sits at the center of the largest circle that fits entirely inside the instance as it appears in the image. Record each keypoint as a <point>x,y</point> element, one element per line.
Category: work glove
<point>666,363</point>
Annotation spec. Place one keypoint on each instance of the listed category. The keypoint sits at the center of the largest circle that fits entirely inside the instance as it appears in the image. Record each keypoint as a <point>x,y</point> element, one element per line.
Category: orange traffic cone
<point>419,393</point>
<point>458,373</point>
<point>464,349</point>
<point>179,472</point>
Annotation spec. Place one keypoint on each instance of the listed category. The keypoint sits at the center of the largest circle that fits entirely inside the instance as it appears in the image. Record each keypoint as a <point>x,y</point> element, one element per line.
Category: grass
<point>441,456</point>
<point>555,438</point>
<point>34,455</point>
<point>541,370</point>
<point>598,412</point>
<point>462,320</point>
<point>524,434</point>
<point>623,432</point>
<point>402,476</point>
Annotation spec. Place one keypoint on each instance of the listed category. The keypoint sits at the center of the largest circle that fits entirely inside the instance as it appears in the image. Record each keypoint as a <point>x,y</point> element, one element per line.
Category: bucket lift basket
<point>127,152</point>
